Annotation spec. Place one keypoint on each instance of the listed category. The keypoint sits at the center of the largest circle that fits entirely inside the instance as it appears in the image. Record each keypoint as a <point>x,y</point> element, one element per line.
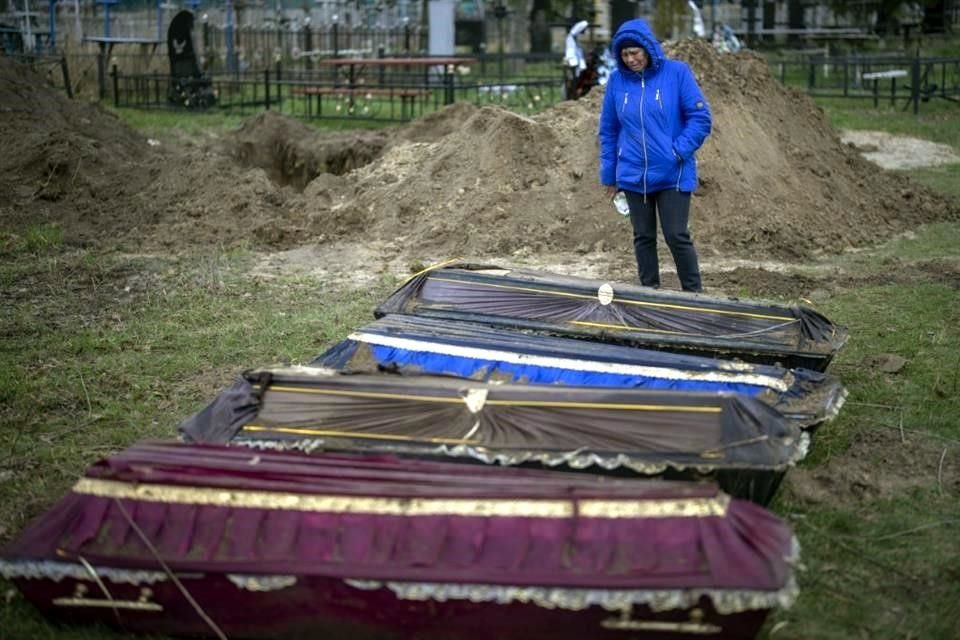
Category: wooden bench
<point>877,76</point>
<point>407,95</point>
<point>389,92</point>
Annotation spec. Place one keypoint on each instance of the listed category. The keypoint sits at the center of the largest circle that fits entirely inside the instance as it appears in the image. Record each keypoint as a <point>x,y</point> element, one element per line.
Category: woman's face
<point>635,58</point>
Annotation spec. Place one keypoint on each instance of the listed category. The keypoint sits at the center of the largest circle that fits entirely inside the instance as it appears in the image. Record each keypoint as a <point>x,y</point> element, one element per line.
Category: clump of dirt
<point>764,283</point>
<point>210,201</point>
<point>775,179</point>
<point>880,464</point>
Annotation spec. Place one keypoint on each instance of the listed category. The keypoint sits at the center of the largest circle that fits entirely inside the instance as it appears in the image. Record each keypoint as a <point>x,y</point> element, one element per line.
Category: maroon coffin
<point>227,542</point>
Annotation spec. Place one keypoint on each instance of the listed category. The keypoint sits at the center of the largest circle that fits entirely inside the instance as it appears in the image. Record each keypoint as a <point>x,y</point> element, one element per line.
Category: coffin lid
<point>380,518</point>
<point>412,344</point>
<point>616,312</point>
<point>308,407</point>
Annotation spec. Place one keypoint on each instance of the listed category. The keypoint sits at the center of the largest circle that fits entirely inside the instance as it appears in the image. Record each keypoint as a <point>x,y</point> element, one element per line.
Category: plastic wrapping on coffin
<point>621,313</point>
<point>270,544</point>
<point>620,431</point>
<point>415,345</point>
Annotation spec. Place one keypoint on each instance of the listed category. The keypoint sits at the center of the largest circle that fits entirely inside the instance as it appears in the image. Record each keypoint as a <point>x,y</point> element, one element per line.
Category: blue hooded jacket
<point>652,122</point>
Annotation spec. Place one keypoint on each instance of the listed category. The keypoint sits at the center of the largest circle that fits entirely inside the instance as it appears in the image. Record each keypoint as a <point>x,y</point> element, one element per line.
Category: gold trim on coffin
<point>639,303</point>
<point>561,404</point>
<point>80,599</point>
<point>626,622</point>
<point>480,507</point>
<point>303,431</point>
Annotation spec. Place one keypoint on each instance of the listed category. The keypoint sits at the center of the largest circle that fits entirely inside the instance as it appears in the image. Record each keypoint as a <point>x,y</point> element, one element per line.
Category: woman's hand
<point>611,190</point>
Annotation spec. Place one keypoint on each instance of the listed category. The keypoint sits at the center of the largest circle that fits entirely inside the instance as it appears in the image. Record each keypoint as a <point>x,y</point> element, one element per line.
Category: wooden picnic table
<point>876,76</point>
<point>357,67</point>
<point>105,45</point>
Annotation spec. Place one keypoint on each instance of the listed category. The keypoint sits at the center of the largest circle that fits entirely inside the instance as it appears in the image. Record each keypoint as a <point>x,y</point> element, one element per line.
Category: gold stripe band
<point>626,327</point>
<point>478,507</point>
<point>432,267</point>
<point>506,403</point>
<point>305,431</point>
<point>108,604</point>
<point>640,303</point>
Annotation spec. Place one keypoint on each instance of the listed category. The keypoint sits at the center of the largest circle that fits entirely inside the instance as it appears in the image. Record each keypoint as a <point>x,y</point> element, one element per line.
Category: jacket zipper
<point>643,135</point>
<point>623,110</point>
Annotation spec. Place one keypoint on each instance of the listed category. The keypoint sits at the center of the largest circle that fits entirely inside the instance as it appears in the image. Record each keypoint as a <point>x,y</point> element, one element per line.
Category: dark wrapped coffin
<point>228,542</point>
<point>753,331</point>
<point>415,345</point>
<point>737,441</point>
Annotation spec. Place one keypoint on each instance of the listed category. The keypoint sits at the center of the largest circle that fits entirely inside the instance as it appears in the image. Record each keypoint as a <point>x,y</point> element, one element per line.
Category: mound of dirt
<point>485,188</point>
<point>880,464</point>
<point>776,180</point>
<point>775,176</point>
<point>436,125</point>
<point>67,162</point>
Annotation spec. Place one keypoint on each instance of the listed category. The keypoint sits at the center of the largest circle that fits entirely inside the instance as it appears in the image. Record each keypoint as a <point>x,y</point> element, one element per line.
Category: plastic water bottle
<point>620,203</point>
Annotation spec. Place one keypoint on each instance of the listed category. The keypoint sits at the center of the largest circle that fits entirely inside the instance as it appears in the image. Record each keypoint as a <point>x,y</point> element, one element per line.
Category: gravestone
<point>188,86</point>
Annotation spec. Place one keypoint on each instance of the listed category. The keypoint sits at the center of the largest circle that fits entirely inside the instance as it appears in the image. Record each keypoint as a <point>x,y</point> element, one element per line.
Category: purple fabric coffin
<point>753,331</point>
<point>175,538</point>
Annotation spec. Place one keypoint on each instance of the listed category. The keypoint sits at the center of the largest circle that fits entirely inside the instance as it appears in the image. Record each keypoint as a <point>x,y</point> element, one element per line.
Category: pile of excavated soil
<point>776,180</point>
<point>775,176</point>
<point>68,162</point>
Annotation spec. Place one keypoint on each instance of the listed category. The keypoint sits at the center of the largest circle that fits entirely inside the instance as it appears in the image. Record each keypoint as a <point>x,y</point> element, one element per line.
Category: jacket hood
<point>639,31</point>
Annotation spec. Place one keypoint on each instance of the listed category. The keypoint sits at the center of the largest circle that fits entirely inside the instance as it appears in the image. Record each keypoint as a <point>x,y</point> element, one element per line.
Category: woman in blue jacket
<point>653,120</point>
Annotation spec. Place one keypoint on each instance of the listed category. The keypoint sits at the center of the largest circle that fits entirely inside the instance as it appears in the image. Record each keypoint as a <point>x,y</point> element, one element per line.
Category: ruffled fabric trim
<point>57,571</point>
<point>258,583</point>
<point>573,459</point>
<point>724,602</point>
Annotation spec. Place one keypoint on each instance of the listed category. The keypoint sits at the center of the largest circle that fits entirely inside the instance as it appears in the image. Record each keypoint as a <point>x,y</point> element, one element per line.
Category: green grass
<point>201,126</point>
<point>35,239</point>
<point>938,121</point>
<point>197,124</point>
<point>919,323</point>
<point>92,365</point>
<point>864,560</point>
<point>887,567</point>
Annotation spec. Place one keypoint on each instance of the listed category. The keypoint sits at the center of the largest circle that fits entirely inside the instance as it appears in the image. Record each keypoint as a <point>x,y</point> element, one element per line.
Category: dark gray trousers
<point>673,208</point>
